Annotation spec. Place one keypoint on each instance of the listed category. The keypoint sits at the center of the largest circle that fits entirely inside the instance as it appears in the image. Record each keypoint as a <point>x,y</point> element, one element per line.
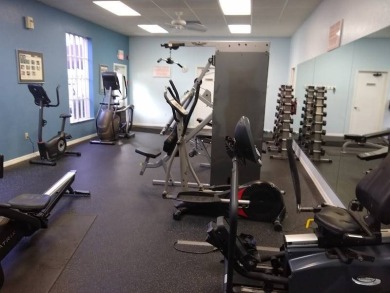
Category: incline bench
<point>362,139</point>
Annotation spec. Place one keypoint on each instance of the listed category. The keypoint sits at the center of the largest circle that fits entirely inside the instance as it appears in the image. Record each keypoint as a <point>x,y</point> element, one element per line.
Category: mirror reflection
<point>356,77</point>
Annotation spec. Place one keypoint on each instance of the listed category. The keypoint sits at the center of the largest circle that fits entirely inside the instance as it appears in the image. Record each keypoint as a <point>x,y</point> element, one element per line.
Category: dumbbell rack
<point>313,122</point>
<point>283,121</point>
<point>307,118</point>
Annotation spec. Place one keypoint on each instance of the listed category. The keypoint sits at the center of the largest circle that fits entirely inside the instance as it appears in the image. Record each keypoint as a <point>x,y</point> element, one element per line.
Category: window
<point>79,79</point>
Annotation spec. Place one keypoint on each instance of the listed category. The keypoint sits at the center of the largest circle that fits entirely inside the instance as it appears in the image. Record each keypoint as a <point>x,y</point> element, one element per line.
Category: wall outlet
<point>26,136</point>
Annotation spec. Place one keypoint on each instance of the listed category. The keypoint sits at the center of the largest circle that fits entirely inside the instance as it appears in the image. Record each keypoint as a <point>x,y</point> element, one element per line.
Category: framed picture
<point>102,68</point>
<point>162,71</point>
<point>30,67</point>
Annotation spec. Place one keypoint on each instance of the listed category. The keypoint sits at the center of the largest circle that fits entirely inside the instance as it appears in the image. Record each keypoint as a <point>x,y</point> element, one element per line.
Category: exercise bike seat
<point>338,227</point>
<point>337,221</point>
<point>63,115</point>
<point>29,202</point>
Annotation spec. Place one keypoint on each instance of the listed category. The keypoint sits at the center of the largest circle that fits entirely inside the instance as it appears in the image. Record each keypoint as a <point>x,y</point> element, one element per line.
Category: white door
<point>368,104</point>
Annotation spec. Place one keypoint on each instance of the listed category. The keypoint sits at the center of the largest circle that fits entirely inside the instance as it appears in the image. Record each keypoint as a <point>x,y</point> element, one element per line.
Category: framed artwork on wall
<point>30,67</point>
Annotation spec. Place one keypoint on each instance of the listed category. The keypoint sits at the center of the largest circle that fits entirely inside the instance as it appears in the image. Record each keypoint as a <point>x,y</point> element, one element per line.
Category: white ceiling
<point>270,18</point>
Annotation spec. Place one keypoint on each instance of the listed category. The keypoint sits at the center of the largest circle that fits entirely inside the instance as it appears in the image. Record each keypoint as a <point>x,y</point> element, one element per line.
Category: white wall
<point>361,17</point>
<point>146,92</point>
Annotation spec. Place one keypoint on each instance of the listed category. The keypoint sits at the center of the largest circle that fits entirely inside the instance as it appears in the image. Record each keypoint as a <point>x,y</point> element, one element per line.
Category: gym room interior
<point>121,232</point>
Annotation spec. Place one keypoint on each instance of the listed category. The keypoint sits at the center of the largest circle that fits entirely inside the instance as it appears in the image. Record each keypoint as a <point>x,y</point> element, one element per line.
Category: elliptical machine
<point>259,200</point>
<point>115,117</point>
<point>49,151</point>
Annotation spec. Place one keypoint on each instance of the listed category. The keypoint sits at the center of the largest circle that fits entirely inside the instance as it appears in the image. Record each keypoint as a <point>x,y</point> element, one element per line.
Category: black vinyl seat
<point>30,202</point>
<point>339,226</point>
<point>337,221</point>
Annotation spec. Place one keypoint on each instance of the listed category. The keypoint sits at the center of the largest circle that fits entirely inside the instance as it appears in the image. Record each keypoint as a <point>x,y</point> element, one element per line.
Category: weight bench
<point>151,154</point>
<point>362,139</point>
<point>377,154</point>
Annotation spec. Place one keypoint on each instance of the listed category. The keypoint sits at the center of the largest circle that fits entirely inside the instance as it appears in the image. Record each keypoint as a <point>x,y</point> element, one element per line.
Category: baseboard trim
<point>33,155</point>
<point>323,187</point>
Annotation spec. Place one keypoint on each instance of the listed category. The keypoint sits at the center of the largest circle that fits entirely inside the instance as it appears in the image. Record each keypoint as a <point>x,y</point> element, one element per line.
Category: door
<point>368,104</point>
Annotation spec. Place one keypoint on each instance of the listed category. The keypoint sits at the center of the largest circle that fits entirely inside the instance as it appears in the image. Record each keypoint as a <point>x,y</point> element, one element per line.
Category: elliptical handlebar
<point>176,107</point>
<point>176,96</point>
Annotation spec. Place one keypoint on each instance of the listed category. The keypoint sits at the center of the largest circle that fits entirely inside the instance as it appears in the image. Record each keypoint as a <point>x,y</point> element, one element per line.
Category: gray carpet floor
<point>121,239</point>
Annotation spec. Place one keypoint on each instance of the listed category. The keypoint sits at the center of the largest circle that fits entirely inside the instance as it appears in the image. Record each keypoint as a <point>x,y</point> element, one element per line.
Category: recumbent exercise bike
<point>49,151</point>
<point>347,252</point>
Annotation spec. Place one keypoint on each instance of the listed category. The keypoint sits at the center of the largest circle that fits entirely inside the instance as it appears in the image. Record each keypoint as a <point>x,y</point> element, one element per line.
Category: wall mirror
<point>346,72</point>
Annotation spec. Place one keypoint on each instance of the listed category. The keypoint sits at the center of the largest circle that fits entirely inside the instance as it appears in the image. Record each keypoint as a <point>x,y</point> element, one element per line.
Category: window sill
<point>82,120</point>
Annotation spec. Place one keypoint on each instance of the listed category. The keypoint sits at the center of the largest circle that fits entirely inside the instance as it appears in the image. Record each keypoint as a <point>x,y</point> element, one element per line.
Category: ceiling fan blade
<point>196,27</point>
<point>193,22</point>
<point>178,27</point>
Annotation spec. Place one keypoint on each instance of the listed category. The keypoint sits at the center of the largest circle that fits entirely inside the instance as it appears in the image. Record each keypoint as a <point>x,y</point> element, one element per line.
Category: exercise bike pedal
<point>277,226</point>
<point>177,214</point>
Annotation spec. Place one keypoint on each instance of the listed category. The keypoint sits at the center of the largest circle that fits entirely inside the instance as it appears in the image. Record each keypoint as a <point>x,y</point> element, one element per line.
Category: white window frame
<point>79,77</point>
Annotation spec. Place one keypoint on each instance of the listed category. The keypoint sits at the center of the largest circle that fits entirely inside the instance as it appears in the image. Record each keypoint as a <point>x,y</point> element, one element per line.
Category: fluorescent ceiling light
<point>117,7</point>
<point>153,28</point>
<point>235,7</point>
<point>240,28</point>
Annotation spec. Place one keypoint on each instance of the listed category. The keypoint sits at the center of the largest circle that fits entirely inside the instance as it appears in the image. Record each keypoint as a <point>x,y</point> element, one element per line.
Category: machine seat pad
<point>356,137</point>
<point>373,191</point>
<point>148,152</point>
<point>337,221</point>
<point>30,202</point>
<point>63,115</point>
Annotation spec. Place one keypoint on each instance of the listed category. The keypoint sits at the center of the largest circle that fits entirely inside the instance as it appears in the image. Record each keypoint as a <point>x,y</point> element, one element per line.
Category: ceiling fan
<point>182,24</point>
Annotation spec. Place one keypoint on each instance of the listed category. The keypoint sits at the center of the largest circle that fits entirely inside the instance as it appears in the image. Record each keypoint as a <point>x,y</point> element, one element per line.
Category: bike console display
<point>39,94</point>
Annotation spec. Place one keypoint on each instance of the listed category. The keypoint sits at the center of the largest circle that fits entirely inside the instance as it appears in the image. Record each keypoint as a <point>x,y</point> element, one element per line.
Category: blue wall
<point>338,68</point>
<point>18,111</point>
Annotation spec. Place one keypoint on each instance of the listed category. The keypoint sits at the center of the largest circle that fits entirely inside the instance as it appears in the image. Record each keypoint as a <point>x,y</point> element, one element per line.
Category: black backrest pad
<point>373,191</point>
<point>244,139</point>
